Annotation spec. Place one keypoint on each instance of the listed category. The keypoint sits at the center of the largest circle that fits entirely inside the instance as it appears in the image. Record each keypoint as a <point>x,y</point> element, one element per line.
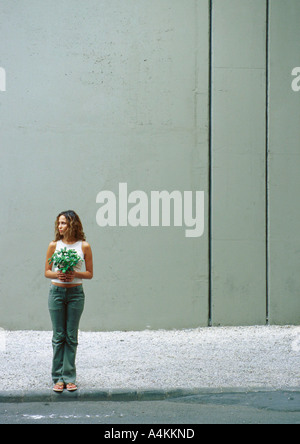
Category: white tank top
<point>78,248</point>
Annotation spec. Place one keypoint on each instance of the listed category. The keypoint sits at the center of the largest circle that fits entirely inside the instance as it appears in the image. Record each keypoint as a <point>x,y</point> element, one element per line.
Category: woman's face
<point>62,225</point>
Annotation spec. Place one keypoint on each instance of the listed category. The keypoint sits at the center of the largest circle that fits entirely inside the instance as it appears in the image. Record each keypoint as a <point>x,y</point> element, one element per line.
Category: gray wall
<point>162,95</point>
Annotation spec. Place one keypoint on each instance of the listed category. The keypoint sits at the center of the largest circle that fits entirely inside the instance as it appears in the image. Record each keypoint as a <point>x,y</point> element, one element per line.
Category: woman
<point>66,298</point>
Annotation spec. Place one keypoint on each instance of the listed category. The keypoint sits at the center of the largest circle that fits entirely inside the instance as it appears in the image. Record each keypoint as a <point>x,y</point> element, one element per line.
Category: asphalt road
<point>228,408</point>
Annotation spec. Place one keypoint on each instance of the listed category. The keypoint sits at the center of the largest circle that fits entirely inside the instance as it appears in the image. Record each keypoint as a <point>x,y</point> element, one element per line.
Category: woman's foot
<point>59,387</point>
<point>71,387</point>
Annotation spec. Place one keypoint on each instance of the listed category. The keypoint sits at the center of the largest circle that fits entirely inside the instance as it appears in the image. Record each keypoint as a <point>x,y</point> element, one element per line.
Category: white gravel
<point>215,357</point>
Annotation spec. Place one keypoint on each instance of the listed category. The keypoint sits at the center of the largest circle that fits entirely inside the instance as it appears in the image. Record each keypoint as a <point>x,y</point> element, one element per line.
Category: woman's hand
<point>61,276</point>
<point>66,277</point>
<point>69,276</point>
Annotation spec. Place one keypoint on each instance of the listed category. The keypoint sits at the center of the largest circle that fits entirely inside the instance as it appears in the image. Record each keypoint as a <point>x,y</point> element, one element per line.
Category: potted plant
<point>66,260</point>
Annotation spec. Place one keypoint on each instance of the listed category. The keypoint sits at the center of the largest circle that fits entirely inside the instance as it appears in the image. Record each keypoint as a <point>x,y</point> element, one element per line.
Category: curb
<point>121,395</point>
<point>19,396</point>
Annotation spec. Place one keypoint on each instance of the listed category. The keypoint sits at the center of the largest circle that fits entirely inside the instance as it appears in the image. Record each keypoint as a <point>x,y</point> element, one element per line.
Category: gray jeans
<point>65,306</point>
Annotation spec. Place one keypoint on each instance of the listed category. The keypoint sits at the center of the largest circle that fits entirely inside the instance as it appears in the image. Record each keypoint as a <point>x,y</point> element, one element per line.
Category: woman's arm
<point>88,257</point>
<point>48,267</point>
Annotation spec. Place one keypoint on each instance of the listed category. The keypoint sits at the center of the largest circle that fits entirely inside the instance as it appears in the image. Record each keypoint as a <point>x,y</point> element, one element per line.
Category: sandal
<point>71,387</point>
<point>59,387</point>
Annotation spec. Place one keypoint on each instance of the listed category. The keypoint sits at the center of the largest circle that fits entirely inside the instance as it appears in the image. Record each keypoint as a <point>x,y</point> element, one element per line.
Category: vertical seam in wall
<point>267,162</point>
<point>196,76</point>
<point>210,277</point>
<point>196,81</point>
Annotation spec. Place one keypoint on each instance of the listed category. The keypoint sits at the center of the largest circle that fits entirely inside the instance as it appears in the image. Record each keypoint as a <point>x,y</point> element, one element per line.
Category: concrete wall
<point>161,95</point>
<point>238,162</point>
<point>284,164</point>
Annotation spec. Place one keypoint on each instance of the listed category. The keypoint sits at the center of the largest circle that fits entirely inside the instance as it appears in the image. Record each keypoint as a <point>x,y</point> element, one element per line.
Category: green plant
<point>65,260</point>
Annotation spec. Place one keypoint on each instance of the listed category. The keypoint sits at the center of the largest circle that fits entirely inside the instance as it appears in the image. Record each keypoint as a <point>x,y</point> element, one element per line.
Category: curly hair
<point>74,225</point>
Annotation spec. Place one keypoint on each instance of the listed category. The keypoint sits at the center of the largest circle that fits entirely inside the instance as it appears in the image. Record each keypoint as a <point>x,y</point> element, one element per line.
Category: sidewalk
<point>154,364</point>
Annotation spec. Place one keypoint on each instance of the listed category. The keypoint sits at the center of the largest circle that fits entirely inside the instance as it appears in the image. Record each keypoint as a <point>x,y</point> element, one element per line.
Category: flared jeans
<point>65,306</point>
